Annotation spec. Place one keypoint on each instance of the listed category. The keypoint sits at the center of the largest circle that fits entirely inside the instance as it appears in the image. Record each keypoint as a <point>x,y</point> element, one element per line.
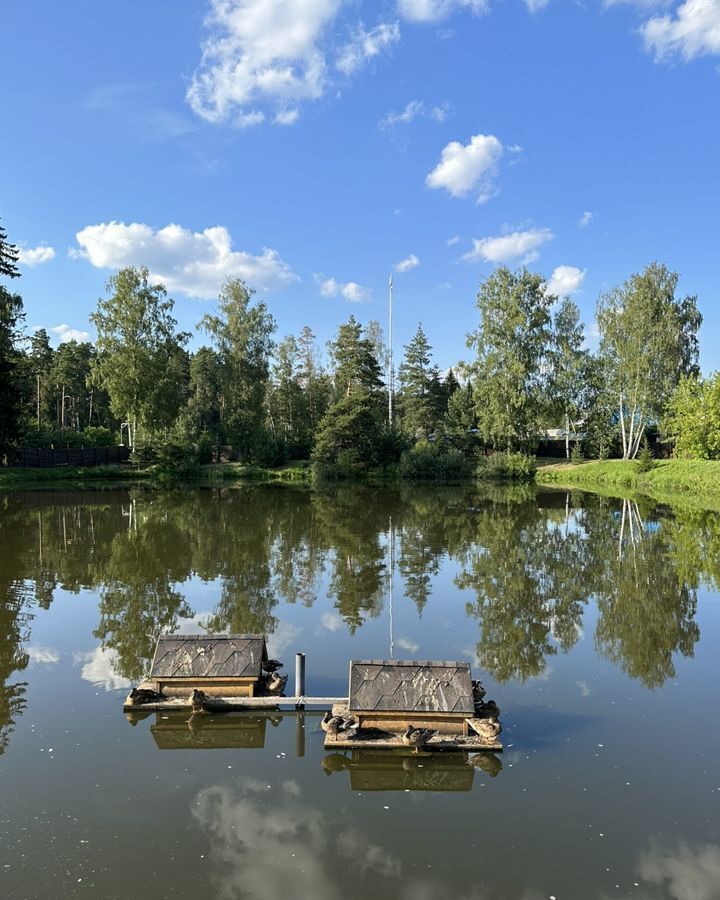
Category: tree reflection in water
<point>532,560</point>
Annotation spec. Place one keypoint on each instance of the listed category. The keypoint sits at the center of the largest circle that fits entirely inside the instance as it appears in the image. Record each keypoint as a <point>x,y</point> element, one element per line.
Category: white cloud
<point>585,219</point>
<point>286,116</point>
<point>99,667</point>
<point>405,265</point>
<point>414,109</point>
<point>248,120</point>
<point>366,45</point>
<point>436,10</point>
<point>65,333</point>
<point>196,263</point>
<point>350,290</point>
<point>455,239</point>
<point>641,4</point>
<point>536,5</point>
<point>509,247</point>
<point>465,168</point>
<point>565,280</point>
<point>692,30</point>
<point>35,256</point>
<point>44,655</point>
<point>260,51</point>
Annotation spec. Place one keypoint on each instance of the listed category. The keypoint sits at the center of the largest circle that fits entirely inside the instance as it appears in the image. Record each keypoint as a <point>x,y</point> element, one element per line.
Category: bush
<point>268,449</point>
<point>429,462</point>
<point>345,467</point>
<point>145,454</point>
<point>576,454</point>
<point>176,462</point>
<point>205,448</point>
<point>645,461</point>
<point>508,467</point>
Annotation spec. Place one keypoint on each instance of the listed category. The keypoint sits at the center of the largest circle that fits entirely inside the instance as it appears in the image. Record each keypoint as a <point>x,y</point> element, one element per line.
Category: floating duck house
<point>392,694</point>
<point>221,665</point>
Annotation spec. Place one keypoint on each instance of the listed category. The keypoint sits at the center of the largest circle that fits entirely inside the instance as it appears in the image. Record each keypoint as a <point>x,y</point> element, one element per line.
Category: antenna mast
<point>391,374</point>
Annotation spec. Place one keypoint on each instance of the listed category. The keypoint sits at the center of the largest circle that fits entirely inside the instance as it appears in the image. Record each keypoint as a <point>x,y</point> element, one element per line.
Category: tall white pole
<point>392,570</point>
<point>391,378</point>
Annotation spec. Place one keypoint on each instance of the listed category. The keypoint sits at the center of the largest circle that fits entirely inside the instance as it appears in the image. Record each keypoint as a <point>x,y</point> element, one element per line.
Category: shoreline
<point>687,483</point>
<point>676,482</point>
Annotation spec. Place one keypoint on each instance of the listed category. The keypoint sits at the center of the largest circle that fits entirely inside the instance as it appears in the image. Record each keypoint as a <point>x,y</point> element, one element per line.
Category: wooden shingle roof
<point>400,685</point>
<point>208,656</point>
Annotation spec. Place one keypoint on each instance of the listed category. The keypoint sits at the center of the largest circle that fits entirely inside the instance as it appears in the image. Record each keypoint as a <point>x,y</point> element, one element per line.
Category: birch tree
<point>139,350</point>
<point>510,371</point>
<point>648,340</point>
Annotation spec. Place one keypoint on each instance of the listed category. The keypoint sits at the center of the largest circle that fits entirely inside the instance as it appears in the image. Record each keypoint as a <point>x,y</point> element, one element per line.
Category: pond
<point>593,622</point>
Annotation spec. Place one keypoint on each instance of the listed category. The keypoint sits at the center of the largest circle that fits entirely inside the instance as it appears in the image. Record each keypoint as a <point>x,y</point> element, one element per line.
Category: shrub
<point>645,460</point>
<point>268,449</point>
<point>576,454</point>
<point>430,462</point>
<point>176,462</point>
<point>344,467</point>
<point>508,467</point>
<point>144,454</point>
<point>205,448</point>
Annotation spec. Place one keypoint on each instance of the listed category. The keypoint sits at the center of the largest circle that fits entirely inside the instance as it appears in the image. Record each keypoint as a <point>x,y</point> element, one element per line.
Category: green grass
<point>676,481</point>
<point>64,475</point>
<point>214,473</point>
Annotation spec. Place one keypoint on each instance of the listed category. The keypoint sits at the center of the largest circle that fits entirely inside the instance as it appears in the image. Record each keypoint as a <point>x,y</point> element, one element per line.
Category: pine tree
<point>9,256</point>
<point>420,387</point>
<point>12,382</point>
<point>41,361</point>
<point>355,361</point>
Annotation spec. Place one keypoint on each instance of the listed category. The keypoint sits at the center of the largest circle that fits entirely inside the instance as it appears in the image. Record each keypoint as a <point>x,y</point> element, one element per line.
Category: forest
<point>249,394</point>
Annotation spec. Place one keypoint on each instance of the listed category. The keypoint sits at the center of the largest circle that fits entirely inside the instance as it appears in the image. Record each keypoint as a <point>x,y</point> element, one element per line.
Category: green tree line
<point>267,399</point>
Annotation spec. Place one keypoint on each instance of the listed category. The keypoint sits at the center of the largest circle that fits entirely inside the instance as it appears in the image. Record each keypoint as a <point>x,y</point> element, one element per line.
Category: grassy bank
<point>216,473</point>
<point>60,476</point>
<point>694,481</point>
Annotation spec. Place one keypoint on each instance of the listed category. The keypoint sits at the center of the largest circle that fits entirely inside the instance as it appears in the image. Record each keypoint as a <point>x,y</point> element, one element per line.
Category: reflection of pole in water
<point>392,568</point>
<point>300,734</point>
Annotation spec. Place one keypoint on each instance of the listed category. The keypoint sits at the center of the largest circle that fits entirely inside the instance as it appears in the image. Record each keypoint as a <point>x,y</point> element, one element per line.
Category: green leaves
<point>648,340</point>
<point>139,351</point>
<point>509,372</point>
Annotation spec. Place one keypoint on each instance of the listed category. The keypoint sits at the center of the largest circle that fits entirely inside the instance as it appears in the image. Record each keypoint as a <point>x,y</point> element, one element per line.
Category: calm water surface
<point>594,623</point>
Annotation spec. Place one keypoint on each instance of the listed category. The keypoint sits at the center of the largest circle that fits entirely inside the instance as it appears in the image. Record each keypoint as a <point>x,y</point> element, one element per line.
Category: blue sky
<point>314,146</point>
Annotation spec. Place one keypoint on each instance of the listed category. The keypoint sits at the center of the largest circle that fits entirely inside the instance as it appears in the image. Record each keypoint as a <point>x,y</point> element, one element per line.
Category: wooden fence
<point>32,457</point>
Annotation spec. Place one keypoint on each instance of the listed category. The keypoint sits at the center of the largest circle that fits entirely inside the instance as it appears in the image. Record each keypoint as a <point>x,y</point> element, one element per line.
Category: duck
<point>478,692</point>
<point>489,710</point>
<point>138,696</point>
<point>275,683</point>
<point>488,729</point>
<point>331,724</point>
<point>197,700</point>
<point>272,665</point>
<point>417,737</point>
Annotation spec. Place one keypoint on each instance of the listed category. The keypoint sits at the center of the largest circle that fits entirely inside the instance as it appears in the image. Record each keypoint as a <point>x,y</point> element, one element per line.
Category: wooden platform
<point>376,740</point>
<point>228,704</point>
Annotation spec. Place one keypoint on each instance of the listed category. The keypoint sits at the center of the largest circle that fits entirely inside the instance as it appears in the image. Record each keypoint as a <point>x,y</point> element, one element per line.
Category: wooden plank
<point>220,704</point>
<point>471,743</point>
